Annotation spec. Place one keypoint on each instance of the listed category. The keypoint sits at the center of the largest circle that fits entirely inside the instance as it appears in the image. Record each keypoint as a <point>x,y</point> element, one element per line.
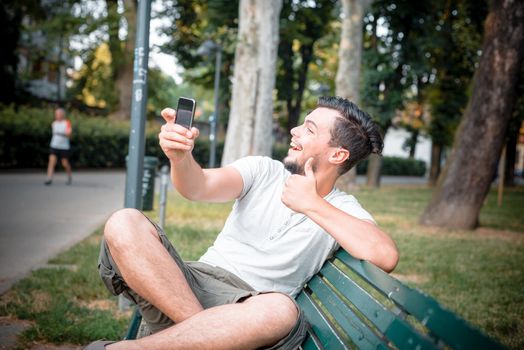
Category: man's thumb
<point>168,114</point>
<point>308,168</point>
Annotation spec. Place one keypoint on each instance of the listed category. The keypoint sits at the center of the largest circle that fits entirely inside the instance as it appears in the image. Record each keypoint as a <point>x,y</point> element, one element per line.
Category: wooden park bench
<point>351,303</point>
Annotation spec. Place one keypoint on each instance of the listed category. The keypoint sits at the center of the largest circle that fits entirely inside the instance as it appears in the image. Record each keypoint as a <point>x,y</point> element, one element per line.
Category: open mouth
<point>295,146</point>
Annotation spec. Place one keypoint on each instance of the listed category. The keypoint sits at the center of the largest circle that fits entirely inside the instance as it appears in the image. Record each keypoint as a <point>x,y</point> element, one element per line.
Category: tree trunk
<point>251,116</point>
<point>123,68</point>
<point>295,109</point>
<point>511,157</point>
<point>467,177</point>
<point>349,60</point>
<point>413,140</point>
<point>436,158</point>
<point>374,171</point>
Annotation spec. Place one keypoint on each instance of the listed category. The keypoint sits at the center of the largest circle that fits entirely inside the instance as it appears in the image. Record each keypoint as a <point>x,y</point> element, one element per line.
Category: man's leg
<point>146,266</point>
<point>260,321</point>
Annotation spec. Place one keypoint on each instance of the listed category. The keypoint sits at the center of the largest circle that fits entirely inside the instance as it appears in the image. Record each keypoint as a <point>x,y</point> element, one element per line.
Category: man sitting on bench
<point>287,219</point>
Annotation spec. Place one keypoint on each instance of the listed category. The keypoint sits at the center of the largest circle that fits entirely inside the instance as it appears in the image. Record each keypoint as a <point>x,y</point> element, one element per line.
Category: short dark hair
<point>353,130</point>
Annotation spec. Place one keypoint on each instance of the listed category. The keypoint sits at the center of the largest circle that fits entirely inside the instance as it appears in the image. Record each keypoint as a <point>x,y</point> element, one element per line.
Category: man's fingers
<point>172,145</point>
<point>169,115</point>
<point>176,137</point>
<point>195,132</point>
<point>308,168</point>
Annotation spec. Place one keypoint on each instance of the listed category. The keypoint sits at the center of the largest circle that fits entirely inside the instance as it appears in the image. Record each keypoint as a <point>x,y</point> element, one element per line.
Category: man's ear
<point>339,156</point>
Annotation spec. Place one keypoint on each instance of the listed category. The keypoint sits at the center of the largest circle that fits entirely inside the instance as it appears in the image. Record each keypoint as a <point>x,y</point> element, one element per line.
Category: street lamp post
<point>206,49</point>
<point>135,162</point>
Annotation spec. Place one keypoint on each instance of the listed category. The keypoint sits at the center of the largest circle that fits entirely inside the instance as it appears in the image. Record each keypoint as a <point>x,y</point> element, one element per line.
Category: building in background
<point>394,145</point>
<point>43,62</point>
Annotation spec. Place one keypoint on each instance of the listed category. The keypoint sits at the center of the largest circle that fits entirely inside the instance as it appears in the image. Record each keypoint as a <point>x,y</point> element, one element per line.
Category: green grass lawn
<point>478,274</point>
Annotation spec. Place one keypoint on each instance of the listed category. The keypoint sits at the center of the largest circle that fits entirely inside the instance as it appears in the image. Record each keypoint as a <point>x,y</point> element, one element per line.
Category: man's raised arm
<point>190,180</point>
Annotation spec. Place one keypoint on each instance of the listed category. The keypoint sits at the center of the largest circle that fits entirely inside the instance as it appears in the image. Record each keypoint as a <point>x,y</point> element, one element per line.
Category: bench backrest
<point>353,304</point>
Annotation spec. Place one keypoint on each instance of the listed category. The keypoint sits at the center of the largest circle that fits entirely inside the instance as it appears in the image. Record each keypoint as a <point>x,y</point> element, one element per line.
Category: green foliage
<point>302,24</point>
<point>95,83</point>
<point>458,40</point>
<point>194,22</point>
<point>393,58</point>
<point>396,166</point>
<point>162,91</point>
<point>427,54</point>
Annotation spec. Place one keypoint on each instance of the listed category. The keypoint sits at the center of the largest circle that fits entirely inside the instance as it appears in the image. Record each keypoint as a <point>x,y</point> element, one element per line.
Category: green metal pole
<point>135,159</point>
<point>135,162</point>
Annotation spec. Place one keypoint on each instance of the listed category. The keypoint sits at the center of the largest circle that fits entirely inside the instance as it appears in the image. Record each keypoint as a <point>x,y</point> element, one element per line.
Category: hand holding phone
<point>174,141</point>
<point>185,112</point>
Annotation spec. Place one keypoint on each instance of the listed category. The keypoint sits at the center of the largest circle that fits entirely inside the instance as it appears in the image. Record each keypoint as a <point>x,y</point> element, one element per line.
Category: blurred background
<point>409,64</point>
<point>443,79</point>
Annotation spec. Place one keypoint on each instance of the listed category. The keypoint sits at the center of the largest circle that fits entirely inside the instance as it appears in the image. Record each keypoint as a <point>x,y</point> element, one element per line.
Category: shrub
<point>397,166</point>
<point>97,142</point>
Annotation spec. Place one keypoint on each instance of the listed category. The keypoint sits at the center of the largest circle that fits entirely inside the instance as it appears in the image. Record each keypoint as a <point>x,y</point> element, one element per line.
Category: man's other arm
<point>190,180</point>
<point>360,238</point>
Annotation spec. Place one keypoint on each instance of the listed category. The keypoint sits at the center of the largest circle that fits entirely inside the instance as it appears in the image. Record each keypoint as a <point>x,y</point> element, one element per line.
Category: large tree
<point>466,180</point>
<point>349,60</point>
<point>457,38</point>
<point>251,117</point>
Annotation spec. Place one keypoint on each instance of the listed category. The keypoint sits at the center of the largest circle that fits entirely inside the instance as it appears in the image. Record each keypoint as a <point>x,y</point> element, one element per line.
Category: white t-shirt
<point>60,130</point>
<point>265,243</point>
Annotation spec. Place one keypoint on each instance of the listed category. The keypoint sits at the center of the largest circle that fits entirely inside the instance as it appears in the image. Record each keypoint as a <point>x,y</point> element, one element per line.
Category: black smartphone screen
<point>184,112</point>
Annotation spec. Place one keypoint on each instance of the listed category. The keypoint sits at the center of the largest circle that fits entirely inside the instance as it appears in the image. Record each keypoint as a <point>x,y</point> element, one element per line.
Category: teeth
<point>295,146</point>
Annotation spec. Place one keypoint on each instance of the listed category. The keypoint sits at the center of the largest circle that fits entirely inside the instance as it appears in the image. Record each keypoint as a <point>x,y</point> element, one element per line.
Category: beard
<point>293,167</point>
<point>297,169</point>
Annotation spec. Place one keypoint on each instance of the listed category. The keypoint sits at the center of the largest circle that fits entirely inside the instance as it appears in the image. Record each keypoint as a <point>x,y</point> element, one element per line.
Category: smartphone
<point>185,112</point>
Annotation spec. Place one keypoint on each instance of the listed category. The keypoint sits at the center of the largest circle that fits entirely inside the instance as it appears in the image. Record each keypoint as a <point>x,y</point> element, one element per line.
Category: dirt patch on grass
<point>479,233</point>
<point>41,301</point>
<point>8,320</point>
<point>100,304</point>
<point>107,305</point>
<point>9,297</point>
<point>499,234</point>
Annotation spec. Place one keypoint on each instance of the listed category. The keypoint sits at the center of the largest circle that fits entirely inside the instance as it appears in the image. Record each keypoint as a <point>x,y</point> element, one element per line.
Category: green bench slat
<point>132,330</point>
<point>397,330</point>
<point>360,333</point>
<point>444,324</point>
<point>322,327</point>
<point>364,321</point>
<point>310,343</point>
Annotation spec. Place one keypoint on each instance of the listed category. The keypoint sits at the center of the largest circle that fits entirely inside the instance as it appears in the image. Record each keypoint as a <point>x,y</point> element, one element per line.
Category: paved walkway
<point>37,222</point>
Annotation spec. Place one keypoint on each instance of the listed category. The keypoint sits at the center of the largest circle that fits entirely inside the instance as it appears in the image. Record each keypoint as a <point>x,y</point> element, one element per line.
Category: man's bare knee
<point>278,309</point>
<point>125,225</point>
